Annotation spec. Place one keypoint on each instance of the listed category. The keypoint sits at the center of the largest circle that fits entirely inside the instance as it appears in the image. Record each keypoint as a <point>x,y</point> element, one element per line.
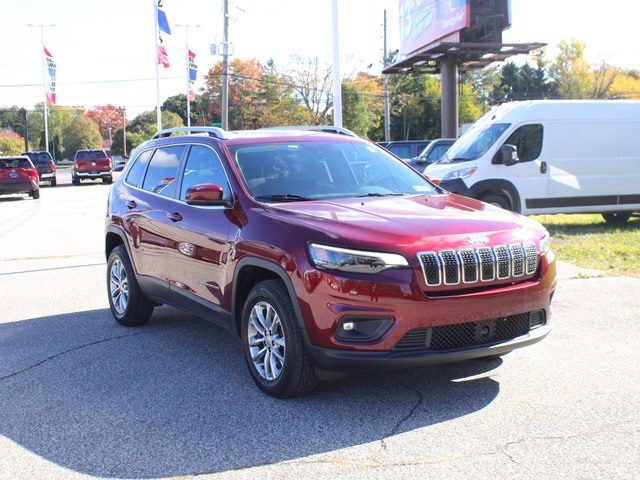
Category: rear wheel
<point>75,180</point>
<point>107,180</point>
<point>128,304</point>
<point>273,345</point>
<point>54,182</point>
<point>616,218</point>
<point>35,194</point>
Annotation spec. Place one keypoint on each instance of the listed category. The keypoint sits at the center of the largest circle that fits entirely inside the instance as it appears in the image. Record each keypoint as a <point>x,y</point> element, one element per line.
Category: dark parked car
<point>323,253</point>
<point>405,149</point>
<point>43,161</point>
<point>431,153</point>
<point>92,165</point>
<point>19,175</point>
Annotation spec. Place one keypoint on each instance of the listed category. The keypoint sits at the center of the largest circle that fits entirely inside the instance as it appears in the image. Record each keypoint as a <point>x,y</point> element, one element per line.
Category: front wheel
<point>497,200</point>
<point>128,304</point>
<point>272,343</point>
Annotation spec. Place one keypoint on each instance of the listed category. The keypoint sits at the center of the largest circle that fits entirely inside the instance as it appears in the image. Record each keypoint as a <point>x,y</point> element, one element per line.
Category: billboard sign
<point>422,22</point>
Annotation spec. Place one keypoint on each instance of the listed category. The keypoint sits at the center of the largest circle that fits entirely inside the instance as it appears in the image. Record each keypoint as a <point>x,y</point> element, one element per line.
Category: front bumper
<point>359,360</point>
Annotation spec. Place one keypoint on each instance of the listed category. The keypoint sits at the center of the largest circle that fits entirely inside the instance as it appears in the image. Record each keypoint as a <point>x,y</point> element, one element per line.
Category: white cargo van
<point>542,156</point>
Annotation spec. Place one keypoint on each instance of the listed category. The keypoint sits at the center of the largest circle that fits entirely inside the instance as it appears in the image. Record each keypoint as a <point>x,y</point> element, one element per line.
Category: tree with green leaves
<point>81,134</point>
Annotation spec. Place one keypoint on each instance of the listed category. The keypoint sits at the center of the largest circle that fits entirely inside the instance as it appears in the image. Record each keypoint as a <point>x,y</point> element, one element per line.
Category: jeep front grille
<point>472,334</point>
<point>483,264</point>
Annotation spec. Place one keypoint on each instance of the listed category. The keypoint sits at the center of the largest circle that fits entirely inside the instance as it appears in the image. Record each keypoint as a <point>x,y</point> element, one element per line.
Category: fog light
<point>362,329</point>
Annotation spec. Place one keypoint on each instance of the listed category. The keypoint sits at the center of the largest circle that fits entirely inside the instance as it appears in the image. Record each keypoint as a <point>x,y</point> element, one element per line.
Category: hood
<point>411,224</point>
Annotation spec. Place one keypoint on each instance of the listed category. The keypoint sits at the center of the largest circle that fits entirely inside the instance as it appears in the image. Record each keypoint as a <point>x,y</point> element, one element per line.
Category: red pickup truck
<point>92,165</point>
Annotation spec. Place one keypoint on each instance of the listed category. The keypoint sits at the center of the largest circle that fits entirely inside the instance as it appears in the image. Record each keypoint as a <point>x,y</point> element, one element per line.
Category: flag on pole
<point>193,73</point>
<point>163,23</point>
<point>50,87</point>
<point>163,26</point>
<point>163,57</point>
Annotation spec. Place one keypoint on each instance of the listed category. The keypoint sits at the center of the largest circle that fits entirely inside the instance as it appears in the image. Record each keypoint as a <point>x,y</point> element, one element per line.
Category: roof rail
<point>210,131</point>
<point>317,128</point>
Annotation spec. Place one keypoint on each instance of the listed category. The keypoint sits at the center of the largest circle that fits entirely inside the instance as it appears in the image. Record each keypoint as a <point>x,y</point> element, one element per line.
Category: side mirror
<point>206,194</point>
<point>507,155</point>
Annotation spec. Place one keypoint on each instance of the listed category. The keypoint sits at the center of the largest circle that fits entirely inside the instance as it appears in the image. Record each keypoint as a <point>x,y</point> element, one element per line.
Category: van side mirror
<point>507,155</point>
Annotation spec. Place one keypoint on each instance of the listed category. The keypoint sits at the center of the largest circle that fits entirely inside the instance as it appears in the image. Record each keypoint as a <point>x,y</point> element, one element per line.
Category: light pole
<point>44,80</point>
<point>186,28</point>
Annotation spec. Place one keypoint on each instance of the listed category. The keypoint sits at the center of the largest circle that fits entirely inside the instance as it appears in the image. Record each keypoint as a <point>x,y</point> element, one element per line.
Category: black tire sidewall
<point>274,293</point>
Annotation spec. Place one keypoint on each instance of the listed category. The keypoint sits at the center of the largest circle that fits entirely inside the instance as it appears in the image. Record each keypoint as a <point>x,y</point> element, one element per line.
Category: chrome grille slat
<point>484,264</point>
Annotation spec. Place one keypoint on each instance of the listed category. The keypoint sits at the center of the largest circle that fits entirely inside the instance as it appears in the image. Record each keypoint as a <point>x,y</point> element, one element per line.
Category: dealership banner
<point>163,26</point>
<point>193,73</point>
<point>50,83</point>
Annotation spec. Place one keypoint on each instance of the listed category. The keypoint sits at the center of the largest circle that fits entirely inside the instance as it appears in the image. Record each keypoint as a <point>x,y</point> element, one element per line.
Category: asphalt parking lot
<point>83,398</point>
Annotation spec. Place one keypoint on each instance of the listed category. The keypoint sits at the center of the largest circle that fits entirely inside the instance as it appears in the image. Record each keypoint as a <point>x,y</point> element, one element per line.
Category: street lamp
<point>44,80</point>
<point>186,28</point>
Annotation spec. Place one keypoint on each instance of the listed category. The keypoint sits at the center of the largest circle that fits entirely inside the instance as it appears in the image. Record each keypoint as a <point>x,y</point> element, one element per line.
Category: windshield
<point>294,171</point>
<point>474,142</point>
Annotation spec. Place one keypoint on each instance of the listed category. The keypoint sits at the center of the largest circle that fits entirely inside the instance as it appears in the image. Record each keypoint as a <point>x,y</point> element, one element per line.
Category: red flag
<point>163,57</point>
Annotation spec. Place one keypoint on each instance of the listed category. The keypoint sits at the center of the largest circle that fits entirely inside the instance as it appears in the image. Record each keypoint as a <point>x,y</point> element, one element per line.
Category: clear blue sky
<point>105,49</point>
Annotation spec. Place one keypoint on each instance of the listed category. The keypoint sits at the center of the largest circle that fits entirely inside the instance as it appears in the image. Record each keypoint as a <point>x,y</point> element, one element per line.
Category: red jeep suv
<point>322,252</point>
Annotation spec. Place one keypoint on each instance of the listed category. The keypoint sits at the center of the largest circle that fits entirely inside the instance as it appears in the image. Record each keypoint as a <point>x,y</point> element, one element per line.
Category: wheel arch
<point>249,272</point>
<point>498,186</point>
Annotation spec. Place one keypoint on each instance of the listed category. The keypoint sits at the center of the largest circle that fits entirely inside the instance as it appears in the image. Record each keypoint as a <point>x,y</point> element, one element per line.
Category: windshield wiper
<point>378,194</point>
<point>283,197</point>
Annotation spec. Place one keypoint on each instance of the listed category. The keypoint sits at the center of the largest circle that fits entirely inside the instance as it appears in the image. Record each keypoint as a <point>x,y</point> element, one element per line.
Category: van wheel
<point>272,343</point>
<point>497,200</point>
<point>616,219</point>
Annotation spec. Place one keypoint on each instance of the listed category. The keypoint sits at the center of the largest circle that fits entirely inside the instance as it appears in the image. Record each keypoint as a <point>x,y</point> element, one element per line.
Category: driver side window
<point>528,141</point>
<point>203,166</point>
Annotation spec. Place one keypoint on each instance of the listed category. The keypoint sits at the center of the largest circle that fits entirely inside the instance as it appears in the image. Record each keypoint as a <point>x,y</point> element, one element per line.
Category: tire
<point>128,304</point>
<point>108,180</point>
<point>35,194</point>
<point>54,182</point>
<point>497,200</point>
<point>273,345</point>
<point>616,219</point>
<point>75,180</point>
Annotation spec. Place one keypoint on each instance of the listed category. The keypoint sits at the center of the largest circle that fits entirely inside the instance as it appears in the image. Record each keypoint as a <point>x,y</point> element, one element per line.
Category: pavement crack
<point>91,344</point>
<point>396,428</point>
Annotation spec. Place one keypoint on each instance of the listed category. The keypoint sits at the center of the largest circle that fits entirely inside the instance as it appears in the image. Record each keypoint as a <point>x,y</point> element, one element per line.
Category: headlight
<point>544,244</point>
<point>354,261</point>
<point>460,174</point>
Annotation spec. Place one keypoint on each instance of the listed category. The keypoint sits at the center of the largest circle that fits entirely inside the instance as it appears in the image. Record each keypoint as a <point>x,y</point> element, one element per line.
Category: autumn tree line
<point>301,94</point>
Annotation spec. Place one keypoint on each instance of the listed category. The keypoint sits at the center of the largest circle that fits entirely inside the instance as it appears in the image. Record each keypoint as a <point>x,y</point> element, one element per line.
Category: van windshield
<point>474,142</point>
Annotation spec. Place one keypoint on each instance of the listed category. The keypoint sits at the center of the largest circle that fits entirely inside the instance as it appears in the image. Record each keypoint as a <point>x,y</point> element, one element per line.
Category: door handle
<point>543,167</point>
<point>174,217</point>
<point>131,204</point>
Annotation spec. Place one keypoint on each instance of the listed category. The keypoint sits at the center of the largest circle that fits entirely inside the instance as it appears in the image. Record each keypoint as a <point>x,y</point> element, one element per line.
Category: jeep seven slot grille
<point>483,264</point>
<point>484,332</point>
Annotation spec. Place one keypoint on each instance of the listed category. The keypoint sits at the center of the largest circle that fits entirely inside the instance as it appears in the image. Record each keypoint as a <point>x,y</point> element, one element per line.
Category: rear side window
<point>528,141</point>
<point>138,167</point>
<point>163,171</point>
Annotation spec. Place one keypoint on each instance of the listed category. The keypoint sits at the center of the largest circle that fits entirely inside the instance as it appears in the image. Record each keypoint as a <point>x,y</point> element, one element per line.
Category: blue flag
<point>163,23</point>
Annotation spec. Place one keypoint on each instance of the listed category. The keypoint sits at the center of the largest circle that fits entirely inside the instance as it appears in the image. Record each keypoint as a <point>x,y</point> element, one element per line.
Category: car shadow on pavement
<point>174,398</point>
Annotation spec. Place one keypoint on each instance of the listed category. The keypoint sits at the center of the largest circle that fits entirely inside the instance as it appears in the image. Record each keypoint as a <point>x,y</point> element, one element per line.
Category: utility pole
<point>225,66</point>
<point>337,84</point>
<point>124,131</point>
